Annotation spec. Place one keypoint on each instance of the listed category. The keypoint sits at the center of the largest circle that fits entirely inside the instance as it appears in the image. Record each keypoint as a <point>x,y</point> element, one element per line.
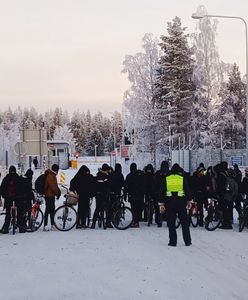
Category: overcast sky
<point>69,53</point>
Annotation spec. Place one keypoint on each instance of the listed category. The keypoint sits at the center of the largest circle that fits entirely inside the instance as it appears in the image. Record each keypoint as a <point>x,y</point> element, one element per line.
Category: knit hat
<point>105,167</point>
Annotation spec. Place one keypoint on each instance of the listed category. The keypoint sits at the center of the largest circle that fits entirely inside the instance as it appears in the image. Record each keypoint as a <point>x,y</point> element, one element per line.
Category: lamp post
<point>196,16</point>
<point>95,151</point>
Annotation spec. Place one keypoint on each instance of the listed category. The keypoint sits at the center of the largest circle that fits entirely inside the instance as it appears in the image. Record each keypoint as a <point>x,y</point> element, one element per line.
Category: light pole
<point>95,151</point>
<point>196,16</point>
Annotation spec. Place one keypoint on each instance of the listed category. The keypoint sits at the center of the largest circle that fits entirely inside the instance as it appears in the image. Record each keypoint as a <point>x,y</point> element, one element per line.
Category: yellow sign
<point>62,177</point>
<point>74,164</point>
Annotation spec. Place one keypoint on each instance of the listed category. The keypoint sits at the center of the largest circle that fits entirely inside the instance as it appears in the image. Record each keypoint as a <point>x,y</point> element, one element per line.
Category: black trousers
<point>21,206</point>
<point>83,210</point>
<point>50,210</point>
<point>102,201</point>
<point>177,206</point>
<point>137,206</point>
<point>201,200</point>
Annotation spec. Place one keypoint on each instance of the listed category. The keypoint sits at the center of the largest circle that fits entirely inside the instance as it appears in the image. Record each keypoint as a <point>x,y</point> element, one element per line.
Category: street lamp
<point>196,16</point>
<point>95,151</point>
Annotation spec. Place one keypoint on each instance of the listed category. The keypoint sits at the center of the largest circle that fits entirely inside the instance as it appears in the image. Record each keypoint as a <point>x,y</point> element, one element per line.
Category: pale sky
<point>69,53</point>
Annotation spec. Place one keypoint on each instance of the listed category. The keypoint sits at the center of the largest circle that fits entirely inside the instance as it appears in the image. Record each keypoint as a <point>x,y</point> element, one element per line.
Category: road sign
<point>20,148</point>
<point>113,153</point>
<point>125,151</point>
<point>237,160</point>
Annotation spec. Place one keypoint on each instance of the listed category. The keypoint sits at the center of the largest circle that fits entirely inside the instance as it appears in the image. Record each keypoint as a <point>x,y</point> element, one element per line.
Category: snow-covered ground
<point>131,264</point>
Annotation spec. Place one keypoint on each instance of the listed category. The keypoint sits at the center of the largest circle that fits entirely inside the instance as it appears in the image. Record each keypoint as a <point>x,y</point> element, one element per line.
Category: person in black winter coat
<point>222,192</point>
<point>150,193</point>
<point>84,184</point>
<point>116,180</point>
<point>102,195</point>
<point>159,181</point>
<point>11,190</point>
<point>135,188</point>
<point>27,187</point>
<point>199,191</point>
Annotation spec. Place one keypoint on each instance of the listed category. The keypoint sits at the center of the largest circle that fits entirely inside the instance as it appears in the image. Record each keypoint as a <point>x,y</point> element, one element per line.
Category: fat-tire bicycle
<point>65,216</point>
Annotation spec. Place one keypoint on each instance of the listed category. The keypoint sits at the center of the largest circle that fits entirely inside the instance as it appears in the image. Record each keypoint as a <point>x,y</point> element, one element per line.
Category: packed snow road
<point>131,264</point>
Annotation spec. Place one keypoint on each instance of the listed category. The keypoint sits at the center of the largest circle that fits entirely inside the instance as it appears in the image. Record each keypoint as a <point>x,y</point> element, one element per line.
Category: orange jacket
<point>51,185</point>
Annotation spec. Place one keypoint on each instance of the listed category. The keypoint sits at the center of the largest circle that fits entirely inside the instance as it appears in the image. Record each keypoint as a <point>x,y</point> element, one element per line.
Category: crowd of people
<point>169,189</point>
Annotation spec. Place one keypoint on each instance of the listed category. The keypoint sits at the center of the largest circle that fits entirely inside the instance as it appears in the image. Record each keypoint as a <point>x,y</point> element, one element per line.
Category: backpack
<point>39,184</point>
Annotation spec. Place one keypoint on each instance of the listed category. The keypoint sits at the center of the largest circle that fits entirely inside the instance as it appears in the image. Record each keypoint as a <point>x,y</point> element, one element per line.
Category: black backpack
<point>39,184</point>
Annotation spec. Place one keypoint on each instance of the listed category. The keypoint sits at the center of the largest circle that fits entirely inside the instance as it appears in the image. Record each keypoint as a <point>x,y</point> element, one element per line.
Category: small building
<point>58,153</point>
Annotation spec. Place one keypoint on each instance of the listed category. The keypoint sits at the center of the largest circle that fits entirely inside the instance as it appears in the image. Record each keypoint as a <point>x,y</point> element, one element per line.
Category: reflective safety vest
<point>174,184</point>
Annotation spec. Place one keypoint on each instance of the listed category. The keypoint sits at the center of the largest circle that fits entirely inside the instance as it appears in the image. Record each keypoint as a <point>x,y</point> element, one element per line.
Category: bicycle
<point>33,216</point>
<point>122,216</point>
<point>65,216</point>
<point>214,215</point>
<point>193,215</point>
<point>243,216</point>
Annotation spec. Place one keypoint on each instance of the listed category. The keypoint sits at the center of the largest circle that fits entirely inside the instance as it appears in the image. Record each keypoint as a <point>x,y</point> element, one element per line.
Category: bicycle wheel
<point>213,219</point>
<point>243,220</point>
<point>178,223</point>
<point>65,218</point>
<point>33,219</point>
<point>123,218</point>
<point>150,212</point>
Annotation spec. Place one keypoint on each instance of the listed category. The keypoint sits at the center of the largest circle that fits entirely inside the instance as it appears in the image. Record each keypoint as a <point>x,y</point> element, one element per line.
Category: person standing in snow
<point>175,194</point>
<point>51,191</point>
<point>84,184</point>
<point>135,188</point>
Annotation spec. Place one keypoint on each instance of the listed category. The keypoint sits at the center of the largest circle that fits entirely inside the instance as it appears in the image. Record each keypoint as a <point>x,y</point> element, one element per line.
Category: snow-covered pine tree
<point>175,89</point>
<point>232,111</point>
<point>138,100</point>
<point>209,73</point>
<point>94,138</point>
<point>78,128</point>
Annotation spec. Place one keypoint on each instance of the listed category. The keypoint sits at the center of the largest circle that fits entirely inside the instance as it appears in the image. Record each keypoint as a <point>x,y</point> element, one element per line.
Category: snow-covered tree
<point>175,89</point>
<point>95,138</point>
<point>209,73</point>
<point>232,112</point>
<point>138,100</point>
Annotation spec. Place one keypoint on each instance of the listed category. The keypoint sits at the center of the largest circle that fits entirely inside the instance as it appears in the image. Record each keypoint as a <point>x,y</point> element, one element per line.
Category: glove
<point>161,208</point>
<point>189,204</point>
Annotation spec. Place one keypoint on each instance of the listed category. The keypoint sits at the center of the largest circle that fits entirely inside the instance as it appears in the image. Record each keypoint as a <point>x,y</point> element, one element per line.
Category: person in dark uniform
<point>175,194</point>
<point>134,187</point>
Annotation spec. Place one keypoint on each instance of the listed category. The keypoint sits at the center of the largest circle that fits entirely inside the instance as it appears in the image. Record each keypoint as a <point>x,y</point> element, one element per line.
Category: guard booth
<point>58,153</point>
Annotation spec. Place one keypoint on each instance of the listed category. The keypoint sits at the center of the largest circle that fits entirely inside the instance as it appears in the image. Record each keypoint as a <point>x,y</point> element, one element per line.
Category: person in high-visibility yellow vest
<point>175,196</point>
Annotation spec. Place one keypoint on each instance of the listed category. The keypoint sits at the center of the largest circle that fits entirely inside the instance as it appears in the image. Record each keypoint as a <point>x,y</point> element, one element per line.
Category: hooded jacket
<point>51,185</point>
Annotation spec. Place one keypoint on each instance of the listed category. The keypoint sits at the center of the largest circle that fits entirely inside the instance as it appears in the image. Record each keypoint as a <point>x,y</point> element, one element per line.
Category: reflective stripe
<point>174,184</point>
